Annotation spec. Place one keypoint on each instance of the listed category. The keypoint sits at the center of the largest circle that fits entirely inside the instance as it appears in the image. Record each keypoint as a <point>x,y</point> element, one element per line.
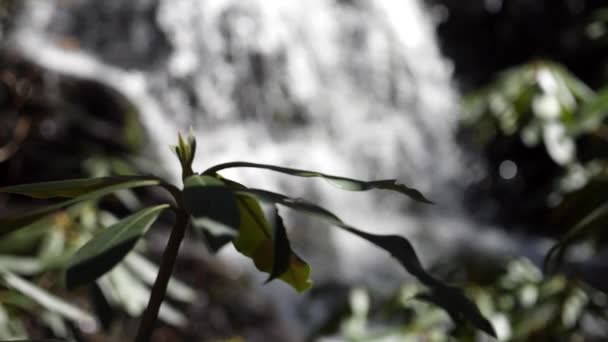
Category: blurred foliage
<point>597,29</point>
<point>39,254</point>
<point>54,126</point>
<point>520,302</point>
<point>541,103</point>
<point>543,131</point>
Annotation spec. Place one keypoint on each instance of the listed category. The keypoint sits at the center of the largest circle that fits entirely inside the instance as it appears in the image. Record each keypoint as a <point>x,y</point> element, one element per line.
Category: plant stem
<point>148,320</point>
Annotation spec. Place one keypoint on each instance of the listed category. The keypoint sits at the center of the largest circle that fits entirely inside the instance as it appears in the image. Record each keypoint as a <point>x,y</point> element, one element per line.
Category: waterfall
<point>354,88</point>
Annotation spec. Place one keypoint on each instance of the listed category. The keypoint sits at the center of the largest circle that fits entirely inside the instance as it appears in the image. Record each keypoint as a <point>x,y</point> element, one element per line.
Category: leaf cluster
<point>224,211</point>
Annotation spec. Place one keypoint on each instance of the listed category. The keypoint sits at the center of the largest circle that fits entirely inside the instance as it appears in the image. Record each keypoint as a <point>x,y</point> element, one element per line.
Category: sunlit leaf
<point>185,151</point>
<point>21,264</point>
<point>449,297</point>
<point>340,182</point>
<point>577,87</point>
<point>73,187</point>
<point>147,272</point>
<point>123,289</point>
<point>256,241</point>
<point>127,291</point>
<point>11,224</point>
<point>213,209</point>
<point>592,113</point>
<point>104,251</point>
<point>47,300</point>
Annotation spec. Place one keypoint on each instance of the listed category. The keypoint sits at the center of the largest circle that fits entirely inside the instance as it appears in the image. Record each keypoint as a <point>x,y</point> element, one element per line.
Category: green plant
<point>522,304</point>
<point>541,102</point>
<point>223,211</point>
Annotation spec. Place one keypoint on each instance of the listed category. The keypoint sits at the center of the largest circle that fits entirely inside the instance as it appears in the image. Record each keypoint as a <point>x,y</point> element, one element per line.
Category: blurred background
<point>494,109</point>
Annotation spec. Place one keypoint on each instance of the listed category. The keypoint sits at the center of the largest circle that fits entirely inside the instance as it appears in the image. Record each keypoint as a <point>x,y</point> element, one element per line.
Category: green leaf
<point>21,264</point>
<point>255,241</point>
<point>104,251</point>
<point>185,152</point>
<point>73,187</point>
<point>592,113</point>
<point>586,225</point>
<point>449,297</point>
<point>11,224</point>
<point>47,300</point>
<point>213,209</point>
<point>122,288</point>
<point>340,182</point>
<point>147,271</point>
<point>577,87</point>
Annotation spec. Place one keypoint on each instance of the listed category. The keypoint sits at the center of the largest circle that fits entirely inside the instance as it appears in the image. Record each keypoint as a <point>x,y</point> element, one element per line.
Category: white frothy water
<point>355,88</point>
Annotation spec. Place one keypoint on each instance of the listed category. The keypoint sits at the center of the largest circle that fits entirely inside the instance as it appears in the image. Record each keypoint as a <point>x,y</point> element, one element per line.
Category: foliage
<point>542,103</point>
<point>522,305</point>
<point>597,28</point>
<point>223,211</point>
<point>33,259</point>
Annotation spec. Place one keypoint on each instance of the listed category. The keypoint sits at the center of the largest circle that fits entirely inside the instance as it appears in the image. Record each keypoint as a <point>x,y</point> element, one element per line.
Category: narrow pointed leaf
<point>455,303</point>
<point>213,209</point>
<point>340,182</point>
<point>587,224</point>
<point>255,240</point>
<point>11,224</point>
<point>185,153</point>
<point>73,187</point>
<point>147,271</point>
<point>47,300</point>
<point>454,299</point>
<point>398,247</point>
<point>281,248</point>
<point>104,251</point>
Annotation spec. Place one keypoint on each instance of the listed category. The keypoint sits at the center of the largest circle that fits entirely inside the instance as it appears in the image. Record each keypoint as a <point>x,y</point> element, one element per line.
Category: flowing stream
<point>355,88</point>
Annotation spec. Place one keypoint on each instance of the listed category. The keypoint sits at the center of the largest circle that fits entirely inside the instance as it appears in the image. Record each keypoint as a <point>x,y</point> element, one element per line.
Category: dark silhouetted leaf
<point>281,248</point>
<point>74,187</point>
<point>453,300</point>
<point>340,182</point>
<point>213,209</point>
<point>104,251</point>
<point>11,224</point>
<point>448,297</point>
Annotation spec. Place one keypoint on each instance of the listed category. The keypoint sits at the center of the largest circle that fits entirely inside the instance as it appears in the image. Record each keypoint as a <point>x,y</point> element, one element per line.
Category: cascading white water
<point>355,88</point>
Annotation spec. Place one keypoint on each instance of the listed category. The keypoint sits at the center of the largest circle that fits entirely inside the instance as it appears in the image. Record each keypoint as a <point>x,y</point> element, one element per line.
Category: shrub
<point>223,211</point>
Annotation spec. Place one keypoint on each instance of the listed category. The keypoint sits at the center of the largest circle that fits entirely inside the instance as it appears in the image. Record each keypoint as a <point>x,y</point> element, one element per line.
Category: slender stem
<point>150,315</point>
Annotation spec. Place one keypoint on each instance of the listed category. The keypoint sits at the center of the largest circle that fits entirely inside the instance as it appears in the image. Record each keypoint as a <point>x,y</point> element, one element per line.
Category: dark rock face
<point>51,123</point>
<point>122,33</point>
